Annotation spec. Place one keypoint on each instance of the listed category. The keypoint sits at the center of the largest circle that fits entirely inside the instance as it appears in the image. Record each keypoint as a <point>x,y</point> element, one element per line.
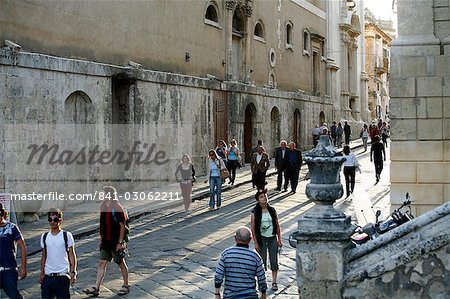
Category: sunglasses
<point>53,219</point>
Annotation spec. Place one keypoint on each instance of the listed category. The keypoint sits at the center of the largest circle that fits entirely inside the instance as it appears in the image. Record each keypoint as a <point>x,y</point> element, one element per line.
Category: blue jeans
<point>8,282</point>
<point>58,287</point>
<point>215,186</point>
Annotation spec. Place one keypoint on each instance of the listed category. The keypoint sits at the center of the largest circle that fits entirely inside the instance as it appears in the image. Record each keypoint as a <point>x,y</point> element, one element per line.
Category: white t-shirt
<point>350,160</point>
<point>57,260</point>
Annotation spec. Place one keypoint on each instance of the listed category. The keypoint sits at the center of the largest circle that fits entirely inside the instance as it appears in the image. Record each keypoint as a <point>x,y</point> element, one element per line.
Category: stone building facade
<point>229,69</point>
<point>420,104</point>
<point>377,66</point>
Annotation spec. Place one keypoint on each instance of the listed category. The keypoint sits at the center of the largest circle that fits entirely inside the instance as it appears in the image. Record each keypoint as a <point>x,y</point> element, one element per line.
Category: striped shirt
<point>239,265</point>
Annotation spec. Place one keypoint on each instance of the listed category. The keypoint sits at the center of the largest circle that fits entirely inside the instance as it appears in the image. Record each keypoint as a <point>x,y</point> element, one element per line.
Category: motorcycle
<point>371,231</point>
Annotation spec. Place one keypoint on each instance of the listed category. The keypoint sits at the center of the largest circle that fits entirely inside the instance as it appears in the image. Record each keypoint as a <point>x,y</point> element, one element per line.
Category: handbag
<point>224,174</point>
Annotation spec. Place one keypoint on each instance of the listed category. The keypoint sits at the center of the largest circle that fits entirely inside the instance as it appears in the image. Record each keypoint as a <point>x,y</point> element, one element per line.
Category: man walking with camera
<point>112,241</point>
<point>58,260</point>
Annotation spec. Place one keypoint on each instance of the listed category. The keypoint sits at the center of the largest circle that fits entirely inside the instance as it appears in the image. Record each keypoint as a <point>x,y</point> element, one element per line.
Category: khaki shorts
<point>107,255</point>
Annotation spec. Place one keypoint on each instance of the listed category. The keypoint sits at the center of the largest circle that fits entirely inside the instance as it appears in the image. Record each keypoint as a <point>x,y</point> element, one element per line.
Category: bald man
<point>245,264</point>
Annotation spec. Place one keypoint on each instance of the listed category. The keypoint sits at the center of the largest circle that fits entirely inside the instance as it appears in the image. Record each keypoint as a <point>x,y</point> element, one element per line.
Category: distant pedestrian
<point>221,151</point>
<point>333,132</point>
<point>112,241</point>
<point>255,150</point>
<point>281,165</point>
<point>233,157</point>
<point>187,172</point>
<point>379,124</point>
<point>58,260</point>
<point>10,236</point>
<point>259,164</point>
<point>377,155</point>
<point>238,266</point>
<point>315,135</point>
<point>350,165</point>
<point>267,233</point>
<point>213,167</point>
<point>364,134</point>
<point>294,163</point>
<point>339,133</point>
<point>373,131</point>
<point>384,133</point>
<point>347,132</point>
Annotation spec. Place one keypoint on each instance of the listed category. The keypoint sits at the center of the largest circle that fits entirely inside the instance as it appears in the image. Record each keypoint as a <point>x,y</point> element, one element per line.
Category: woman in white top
<point>350,166</point>
<point>213,167</point>
<point>364,135</point>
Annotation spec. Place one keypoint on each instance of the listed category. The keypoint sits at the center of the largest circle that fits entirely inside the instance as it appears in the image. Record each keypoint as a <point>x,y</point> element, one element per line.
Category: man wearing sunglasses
<point>10,236</point>
<point>58,261</point>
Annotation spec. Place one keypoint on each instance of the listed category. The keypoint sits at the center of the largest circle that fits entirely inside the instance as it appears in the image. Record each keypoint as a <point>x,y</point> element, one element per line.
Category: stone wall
<point>420,105</point>
<point>411,261</point>
<point>179,111</point>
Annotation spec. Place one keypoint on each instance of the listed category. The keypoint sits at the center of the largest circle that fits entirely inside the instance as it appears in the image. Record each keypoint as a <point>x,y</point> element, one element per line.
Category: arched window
<point>259,31</point>
<point>212,14</point>
<point>272,80</point>
<point>289,35</point>
<point>306,42</point>
<point>78,109</point>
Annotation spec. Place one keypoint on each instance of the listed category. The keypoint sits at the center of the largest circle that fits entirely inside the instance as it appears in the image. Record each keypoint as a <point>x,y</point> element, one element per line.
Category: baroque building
<point>377,65</point>
<point>420,105</point>
<point>197,71</point>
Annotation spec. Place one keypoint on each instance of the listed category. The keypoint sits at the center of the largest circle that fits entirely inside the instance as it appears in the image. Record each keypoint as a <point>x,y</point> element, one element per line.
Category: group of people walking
<point>58,266</point>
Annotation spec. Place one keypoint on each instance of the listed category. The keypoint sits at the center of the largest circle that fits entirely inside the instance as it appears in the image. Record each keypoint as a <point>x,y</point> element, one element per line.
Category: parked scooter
<point>371,231</point>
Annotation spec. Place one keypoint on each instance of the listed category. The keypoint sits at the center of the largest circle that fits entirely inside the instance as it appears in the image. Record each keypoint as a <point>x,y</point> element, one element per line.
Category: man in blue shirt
<point>9,236</point>
<point>239,265</point>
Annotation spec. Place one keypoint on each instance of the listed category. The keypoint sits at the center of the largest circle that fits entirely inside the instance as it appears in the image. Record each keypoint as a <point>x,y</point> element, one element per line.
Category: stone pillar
<point>230,7</point>
<point>323,234</point>
<point>247,40</point>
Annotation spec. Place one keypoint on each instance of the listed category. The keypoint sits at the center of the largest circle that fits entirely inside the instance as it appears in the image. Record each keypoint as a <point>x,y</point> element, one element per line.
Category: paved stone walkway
<point>174,254</point>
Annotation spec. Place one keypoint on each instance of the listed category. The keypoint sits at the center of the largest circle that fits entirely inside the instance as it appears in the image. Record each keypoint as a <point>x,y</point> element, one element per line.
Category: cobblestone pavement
<point>174,254</point>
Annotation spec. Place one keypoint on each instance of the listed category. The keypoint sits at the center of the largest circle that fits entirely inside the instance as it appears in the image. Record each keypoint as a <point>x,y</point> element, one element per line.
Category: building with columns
<point>243,69</point>
<point>377,66</point>
<point>420,104</point>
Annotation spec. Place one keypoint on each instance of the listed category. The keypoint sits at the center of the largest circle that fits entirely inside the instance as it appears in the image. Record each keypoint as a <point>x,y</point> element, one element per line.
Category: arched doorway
<point>275,128</point>
<point>250,112</point>
<point>78,109</point>
<point>321,118</point>
<point>296,127</point>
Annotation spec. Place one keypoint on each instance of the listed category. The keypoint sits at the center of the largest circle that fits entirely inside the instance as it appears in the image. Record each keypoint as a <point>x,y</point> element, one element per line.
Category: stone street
<point>174,254</point>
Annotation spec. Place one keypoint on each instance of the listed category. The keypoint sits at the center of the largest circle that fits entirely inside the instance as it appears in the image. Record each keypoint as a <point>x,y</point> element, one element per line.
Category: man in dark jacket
<point>294,163</point>
<point>260,163</point>
<point>280,165</point>
<point>347,132</point>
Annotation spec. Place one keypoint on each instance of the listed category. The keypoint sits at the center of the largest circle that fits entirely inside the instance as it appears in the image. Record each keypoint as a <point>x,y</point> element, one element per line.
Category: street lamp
<point>350,4</point>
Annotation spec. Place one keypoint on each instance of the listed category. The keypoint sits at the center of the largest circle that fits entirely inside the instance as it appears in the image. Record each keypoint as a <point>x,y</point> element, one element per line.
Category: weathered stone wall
<point>38,89</point>
<point>420,105</point>
<point>411,261</point>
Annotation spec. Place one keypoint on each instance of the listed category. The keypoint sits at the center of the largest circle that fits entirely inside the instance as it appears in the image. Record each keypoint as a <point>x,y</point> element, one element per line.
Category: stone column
<point>323,234</point>
<point>230,7</point>
<point>247,40</point>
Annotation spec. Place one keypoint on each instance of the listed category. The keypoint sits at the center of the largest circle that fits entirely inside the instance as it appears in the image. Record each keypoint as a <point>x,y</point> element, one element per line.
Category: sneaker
<point>211,208</point>
<point>275,286</point>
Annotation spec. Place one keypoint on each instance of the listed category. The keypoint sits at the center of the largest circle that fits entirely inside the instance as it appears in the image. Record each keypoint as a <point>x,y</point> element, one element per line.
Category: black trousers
<point>293,174</point>
<point>349,174</point>
<point>280,174</point>
<point>259,180</point>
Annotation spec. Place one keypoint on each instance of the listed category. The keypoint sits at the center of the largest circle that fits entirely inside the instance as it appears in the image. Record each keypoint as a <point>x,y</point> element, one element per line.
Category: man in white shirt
<point>58,261</point>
